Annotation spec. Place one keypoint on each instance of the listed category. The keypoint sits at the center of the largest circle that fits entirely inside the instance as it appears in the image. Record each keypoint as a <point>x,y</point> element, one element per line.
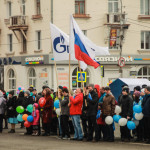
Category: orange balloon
<point>24,117</point>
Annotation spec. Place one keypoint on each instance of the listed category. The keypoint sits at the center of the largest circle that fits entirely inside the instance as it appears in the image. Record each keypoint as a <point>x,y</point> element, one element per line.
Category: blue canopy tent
<point>116,86</point>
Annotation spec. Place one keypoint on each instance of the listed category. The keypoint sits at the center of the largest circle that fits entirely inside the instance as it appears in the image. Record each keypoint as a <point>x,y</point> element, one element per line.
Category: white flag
<point>60,43</point>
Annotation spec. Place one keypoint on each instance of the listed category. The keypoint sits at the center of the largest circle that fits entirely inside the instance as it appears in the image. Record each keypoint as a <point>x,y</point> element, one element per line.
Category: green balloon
<point>30,108</point>
<point>20,109</point>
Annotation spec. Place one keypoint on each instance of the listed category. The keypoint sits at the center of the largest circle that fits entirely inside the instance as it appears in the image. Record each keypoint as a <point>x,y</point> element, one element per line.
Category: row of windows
<point>38,42</point>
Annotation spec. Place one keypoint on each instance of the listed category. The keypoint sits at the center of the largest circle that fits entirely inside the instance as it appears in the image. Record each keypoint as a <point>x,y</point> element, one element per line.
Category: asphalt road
<point>19,141</point>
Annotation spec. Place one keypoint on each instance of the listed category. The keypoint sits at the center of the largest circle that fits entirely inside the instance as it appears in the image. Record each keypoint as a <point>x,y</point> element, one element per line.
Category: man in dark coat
<point>92,107</point>
<point>108,109</point>
<point>126,104</point>
<point>146,112</point>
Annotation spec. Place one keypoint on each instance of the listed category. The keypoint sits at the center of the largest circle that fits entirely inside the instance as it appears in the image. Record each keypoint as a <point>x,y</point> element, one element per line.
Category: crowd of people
<point>82,112</point>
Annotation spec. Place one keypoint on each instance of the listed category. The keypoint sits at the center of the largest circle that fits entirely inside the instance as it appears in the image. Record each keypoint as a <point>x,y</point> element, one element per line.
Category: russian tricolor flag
<point>83,49</point>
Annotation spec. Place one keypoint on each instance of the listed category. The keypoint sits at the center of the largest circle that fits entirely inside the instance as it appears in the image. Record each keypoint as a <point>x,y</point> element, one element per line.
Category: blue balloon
<point>131,125</point>
<point>19,88</point>
<point>116,118</point>
<point>56,104</point>
<point>137,109</point>
<point>30,118</point>
<point>19,118</point>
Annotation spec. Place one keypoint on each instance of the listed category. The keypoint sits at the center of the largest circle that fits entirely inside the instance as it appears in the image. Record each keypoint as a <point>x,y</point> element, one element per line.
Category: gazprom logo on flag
<point>59,45</point>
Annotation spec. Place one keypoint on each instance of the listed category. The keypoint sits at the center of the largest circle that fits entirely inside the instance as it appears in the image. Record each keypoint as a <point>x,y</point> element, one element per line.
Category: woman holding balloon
<point>47,111</point>
<point>11,111</point>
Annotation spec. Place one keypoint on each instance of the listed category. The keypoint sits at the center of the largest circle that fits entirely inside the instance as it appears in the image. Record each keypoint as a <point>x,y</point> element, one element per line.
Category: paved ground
<point>19,141</point>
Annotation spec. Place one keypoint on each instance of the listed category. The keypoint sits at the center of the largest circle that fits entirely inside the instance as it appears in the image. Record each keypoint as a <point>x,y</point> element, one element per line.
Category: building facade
<point>25,42</point>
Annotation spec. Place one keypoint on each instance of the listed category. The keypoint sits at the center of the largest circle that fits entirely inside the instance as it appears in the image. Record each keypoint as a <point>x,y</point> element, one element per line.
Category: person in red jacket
<point>47,111</point>
<point>75,112</point>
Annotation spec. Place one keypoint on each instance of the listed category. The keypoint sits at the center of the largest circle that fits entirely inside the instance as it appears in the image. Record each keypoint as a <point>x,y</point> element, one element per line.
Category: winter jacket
<point>92,104</point>
<point>20,101</point>
<point>146,106</point>
<point>64,105</point>
<point>126,103</point>
<point>2,104</point>
<point>48,109</point>
<point>27,101</point>
<point>76,104</point>
<point>36,116</point>
<point>11,107</point>
<point>108,106</point>
<point>84,109</point>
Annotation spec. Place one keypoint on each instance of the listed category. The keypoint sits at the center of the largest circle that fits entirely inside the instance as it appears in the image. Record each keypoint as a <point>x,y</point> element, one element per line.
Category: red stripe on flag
<point>84,57</point>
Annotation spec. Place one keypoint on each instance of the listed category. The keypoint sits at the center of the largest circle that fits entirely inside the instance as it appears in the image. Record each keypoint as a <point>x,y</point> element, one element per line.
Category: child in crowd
<point>36,117</point>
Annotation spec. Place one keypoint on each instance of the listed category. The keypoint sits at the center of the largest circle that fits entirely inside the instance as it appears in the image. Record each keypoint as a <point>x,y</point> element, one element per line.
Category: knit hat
<point>144,86</point>
<point>27,92</point>
<point>137,94</point>
<point>125,89</point>
<point>91,85</point>
<point>143,91</point>
<point>1,94</point>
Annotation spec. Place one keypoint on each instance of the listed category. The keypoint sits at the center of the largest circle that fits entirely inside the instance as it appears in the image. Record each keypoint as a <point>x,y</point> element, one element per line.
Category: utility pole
<point>121,36</point>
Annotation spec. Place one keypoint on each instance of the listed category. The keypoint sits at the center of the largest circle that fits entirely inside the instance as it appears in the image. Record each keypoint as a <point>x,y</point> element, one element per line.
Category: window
<point>145,40</point>
<point>114,39</point>
<point>144,72</point>
<point>32,77</point>
<point>10,47</point>
<point>112,6</point>
<point>145,7</point>
<point>12,80</point>
<point>38,7</point>
<point>9,10</point>
<point>79,6</point>
<point>23,7</point>
<point>38,34</point>
<point>76,84</point>
<point>84,32</point>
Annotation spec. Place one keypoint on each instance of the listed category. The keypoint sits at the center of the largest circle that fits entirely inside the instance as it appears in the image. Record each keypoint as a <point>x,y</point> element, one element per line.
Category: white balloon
<point>139,116</point>
<point>122,122</point>
<point>117,109</point>
<point>136,122</point>
<point>58,111</point>
<point>109,120</point>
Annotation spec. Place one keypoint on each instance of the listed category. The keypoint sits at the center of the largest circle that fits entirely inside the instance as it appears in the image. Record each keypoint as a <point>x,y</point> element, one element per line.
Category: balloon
<point>24,117</point>
<point>42,102</point>
<point>131,125</point>
<point>30,118</point>
<point>58,111</point>
<point>56,104</point>
<point>18,92</point>
<point>137,109</point>
<point>30,108</point>
<point>19,88</point>
<point>117,109</point>
<point>109,120</point>
<point>139,116</point>
<point>27,124</point>
<point>31,94</point>
<point>122,122</point>
<point>136,122</point>
<point>19,118</point>
<point>20,109</point>
<point>116,118</point>
<point>22,88</point>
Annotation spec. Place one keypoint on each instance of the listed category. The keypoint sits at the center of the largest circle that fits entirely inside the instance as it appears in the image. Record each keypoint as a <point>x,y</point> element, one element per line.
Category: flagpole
<point>56,73</point>
<point>69,73</point>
